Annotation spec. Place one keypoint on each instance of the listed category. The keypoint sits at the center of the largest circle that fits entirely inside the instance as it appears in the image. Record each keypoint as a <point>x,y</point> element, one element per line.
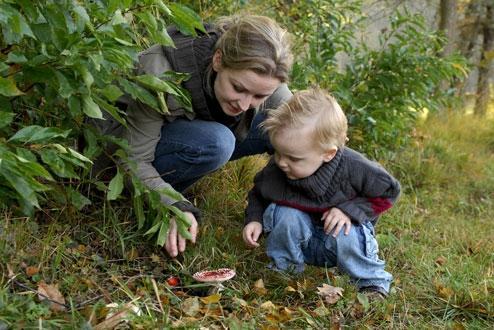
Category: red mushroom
<point>214,276</point>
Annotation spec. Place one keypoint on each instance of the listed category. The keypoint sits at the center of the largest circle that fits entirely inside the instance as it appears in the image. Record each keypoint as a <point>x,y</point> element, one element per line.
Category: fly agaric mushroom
<point>214,277</point>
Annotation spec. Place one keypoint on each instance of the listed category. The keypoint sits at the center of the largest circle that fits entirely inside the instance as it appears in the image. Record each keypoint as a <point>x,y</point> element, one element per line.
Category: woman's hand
<point>334,220</point>
<point>175,243</point>
<point>251,233</point>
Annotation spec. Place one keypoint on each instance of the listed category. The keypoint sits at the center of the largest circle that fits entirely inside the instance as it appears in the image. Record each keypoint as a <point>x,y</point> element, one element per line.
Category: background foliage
<point>65,61</point>
<point>61,63</point>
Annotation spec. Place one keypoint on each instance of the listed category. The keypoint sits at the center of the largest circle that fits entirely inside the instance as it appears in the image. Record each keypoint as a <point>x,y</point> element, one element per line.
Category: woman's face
<point>239,90</point>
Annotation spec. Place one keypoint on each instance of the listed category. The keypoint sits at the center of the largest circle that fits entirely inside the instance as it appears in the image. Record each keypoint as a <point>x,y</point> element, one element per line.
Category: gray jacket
<point>145,123</point>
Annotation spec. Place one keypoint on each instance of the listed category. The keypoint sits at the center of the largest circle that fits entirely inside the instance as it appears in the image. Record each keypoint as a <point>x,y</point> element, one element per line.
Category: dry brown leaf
<point>32,270</point>
<point>191,306</point>
<point>115,318</point>
<point>444,292</point>
<point>212,299</point>
<point>441,260</point>
<point>10,272</point>
<point>330,294</point>
<point>51,292</point>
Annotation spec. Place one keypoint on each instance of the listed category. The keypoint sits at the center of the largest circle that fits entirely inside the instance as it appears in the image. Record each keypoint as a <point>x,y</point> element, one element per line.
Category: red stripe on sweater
<point>379,204</point>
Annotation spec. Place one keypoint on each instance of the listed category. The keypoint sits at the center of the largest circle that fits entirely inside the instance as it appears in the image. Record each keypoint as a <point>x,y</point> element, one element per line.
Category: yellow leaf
<point>213,299</point>
<point>268,305</point>
<point>290,289</point>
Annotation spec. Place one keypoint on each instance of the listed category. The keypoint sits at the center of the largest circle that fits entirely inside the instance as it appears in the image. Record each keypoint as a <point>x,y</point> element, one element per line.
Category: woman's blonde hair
<point>252,42</point>
<point>311,107</point>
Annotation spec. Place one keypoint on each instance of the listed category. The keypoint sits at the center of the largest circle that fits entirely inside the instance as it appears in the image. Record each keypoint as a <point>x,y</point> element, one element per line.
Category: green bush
<point>60,63</point>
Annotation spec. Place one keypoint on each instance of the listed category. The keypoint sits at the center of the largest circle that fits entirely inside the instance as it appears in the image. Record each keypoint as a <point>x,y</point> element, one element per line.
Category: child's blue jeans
<point>294,240</point>
<point>190,149</point>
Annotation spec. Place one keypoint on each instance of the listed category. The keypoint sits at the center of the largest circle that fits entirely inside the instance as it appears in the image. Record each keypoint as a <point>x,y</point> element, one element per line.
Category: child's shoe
<point>374,293</point>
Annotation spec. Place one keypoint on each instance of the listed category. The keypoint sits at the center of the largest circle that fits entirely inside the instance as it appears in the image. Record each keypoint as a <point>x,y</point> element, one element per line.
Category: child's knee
<point>284,218</point>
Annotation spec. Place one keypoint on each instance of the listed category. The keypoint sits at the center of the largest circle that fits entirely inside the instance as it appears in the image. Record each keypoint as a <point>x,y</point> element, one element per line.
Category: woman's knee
<point>209,143</point>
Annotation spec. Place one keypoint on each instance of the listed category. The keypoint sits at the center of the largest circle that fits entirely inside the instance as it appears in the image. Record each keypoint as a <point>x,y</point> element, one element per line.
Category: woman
<point>239,67</point>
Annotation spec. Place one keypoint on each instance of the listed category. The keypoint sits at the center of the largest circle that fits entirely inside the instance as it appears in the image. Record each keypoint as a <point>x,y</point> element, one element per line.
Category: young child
<point>317,200</point>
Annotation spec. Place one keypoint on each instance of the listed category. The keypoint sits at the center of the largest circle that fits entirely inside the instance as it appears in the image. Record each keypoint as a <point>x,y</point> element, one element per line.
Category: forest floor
<point>438,242</point>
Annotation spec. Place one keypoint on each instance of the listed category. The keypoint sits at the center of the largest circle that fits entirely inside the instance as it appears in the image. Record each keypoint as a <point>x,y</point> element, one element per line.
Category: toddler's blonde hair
<point>311,107</point>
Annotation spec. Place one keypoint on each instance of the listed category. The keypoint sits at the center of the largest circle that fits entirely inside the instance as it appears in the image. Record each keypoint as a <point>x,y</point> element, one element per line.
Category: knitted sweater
<point>361,188</point>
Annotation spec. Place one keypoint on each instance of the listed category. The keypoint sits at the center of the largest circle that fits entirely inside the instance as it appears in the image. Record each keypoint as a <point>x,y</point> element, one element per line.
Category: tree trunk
<point>447,24</point>
<point>485,65</point>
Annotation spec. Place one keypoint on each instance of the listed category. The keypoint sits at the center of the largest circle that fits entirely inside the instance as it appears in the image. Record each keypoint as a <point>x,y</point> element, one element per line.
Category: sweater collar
<point>318,183</point>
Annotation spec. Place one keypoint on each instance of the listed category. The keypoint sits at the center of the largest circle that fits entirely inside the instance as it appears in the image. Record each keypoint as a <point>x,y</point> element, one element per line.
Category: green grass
<point>438,242</point>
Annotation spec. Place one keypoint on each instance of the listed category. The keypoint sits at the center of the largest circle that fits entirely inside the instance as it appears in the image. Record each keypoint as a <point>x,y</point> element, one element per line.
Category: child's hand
<point>334,220</point>
<point>251,233</point>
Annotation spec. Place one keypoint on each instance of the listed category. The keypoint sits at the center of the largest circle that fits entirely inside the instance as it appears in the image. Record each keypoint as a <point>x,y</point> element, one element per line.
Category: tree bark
<point>448,18</point>
<point>485,65</point>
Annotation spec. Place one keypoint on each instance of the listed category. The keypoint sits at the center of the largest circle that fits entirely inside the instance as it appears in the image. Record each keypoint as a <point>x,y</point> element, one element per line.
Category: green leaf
<point>65,89</point>
<point>16,57</point>
<point>8,87</point>
<point>115,187</point>
<point>36,134</point>
<point>139,93</point>
<point>111,92</point>
<point>57,164</point>
<point>77,199</point>
<point>81,18</point>
<point>139,211</point>
<point>118,18</point>
<point>164,228</point>
<point>162,37</point>
<point>155,83</point>
<point>186,20</point>
<point>148,19</point>
<point>6,118</point>
<point>86,75</point>
<point>154,228</point>
<point>20,185</point>
<point>113,111</point>
<point>90,108</point>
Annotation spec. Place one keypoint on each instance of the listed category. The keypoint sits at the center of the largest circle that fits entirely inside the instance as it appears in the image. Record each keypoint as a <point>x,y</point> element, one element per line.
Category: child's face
<point>297,154</point>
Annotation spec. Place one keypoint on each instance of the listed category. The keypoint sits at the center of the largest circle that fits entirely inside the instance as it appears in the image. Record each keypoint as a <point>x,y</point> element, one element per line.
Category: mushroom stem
<point>216,288</point>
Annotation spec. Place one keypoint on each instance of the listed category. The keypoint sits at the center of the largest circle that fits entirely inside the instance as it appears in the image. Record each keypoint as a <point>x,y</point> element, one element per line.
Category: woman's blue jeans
<point>295,240</point>
<point>188,150</point>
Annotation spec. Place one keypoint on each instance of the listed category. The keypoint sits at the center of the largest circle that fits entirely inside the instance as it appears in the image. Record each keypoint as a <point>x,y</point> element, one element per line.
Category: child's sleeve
<point>376,191</point>
<point>256,204</point>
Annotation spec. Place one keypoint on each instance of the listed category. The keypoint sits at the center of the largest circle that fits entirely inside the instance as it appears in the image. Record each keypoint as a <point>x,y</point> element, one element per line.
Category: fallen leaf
<point>10,272</point>
<point>212,299</point>
<point>444,292</point>
<point>330,294</point>
<point>32,270</point>
<point>155,258</point>
<point>268,305</point>
<point>191,306</point>
<point>259,287</point>
<point>51,292</point>
<point>117,314</point>
<point>290,289</point>
<point>441,260</point>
